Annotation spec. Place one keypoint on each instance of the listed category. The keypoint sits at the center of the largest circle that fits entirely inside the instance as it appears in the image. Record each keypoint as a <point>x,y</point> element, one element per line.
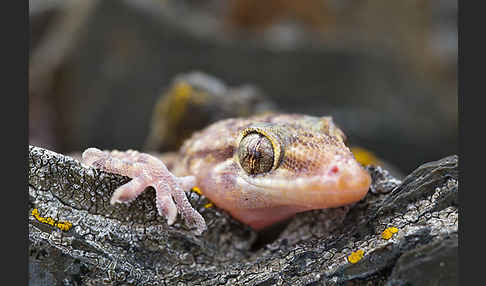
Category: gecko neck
<point>260,218</point>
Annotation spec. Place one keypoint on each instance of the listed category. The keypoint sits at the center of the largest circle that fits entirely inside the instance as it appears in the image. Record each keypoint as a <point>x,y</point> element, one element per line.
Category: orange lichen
<point>389,232</point>
<point>364,157</point>
<point>356,256</point>
<point>62,225</point>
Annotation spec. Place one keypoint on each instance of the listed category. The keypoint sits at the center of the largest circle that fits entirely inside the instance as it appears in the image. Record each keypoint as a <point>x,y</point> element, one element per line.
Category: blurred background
<point>385,70</point>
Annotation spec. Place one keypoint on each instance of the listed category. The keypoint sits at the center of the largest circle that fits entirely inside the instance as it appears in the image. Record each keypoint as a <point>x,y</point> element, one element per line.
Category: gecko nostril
<point>334,170</point>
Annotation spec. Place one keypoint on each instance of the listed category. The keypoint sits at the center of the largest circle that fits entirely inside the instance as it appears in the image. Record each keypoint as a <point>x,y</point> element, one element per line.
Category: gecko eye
<point>255,153</point>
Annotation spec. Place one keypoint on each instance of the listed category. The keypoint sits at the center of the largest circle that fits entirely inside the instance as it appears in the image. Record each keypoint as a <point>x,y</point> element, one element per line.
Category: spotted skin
<point>311,168</point>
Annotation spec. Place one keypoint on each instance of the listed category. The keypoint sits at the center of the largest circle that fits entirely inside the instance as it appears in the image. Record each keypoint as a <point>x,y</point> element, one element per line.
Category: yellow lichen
<point>50,221</point>
<point>196,190</point>
<point>208,205</point>
<point>364,157</point>
<point>356,256</point>
<point>62,225</point>
<point>179,99</point>
<point>389,232</point>
<point>35,212</point>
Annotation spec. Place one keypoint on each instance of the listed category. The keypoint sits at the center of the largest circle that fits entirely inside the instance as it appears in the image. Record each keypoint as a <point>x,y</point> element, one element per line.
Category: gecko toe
<point>92,155</point>
<point>194,219</point>
<point>129,191</point>
<point>166,208</point>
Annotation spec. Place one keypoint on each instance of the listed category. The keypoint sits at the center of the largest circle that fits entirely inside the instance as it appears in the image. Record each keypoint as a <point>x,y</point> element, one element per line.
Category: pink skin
<point>147,170</point>
<point>263,205</point>
<point>315,171</point>
<point>258,205</point>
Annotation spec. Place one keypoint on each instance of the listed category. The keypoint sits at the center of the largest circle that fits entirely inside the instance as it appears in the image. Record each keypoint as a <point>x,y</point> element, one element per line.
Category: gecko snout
<point>357,182</point>
<point>337,185</point>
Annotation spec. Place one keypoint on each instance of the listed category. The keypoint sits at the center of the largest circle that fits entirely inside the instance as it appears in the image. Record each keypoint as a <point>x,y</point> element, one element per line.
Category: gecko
<point>261,170</point>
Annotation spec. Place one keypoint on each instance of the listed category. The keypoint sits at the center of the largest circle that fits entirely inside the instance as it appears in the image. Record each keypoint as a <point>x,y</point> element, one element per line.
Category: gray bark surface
<point>132,245</point>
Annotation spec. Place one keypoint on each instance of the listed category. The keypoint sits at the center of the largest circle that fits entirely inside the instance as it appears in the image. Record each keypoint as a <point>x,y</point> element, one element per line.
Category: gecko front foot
<point>146,170</point>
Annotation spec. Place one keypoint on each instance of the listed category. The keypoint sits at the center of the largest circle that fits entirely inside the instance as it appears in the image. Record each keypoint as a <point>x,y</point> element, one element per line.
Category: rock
<point>432,264</point>
<point>129,244</point>
<point>195,100</point>
<point>127,51</point>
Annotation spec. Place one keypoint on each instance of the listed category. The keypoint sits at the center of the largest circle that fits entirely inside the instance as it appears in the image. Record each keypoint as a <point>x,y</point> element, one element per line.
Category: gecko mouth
<point>319,191</point>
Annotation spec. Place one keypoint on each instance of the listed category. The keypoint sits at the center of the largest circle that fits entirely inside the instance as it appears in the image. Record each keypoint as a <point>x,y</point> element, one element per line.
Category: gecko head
<point>279,165</point>
<point>302,166</point>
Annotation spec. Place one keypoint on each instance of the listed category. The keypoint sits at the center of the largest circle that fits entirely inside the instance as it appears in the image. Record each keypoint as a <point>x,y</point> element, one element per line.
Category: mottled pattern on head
<point>308,143</point>
<point>307,149</point>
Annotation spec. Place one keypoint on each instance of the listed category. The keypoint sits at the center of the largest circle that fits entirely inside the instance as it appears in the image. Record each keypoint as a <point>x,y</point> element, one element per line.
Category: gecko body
<point>261,169</point>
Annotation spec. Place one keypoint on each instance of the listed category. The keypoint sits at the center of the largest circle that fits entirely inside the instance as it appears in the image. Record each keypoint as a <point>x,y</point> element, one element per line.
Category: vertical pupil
<point>255,153</point>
